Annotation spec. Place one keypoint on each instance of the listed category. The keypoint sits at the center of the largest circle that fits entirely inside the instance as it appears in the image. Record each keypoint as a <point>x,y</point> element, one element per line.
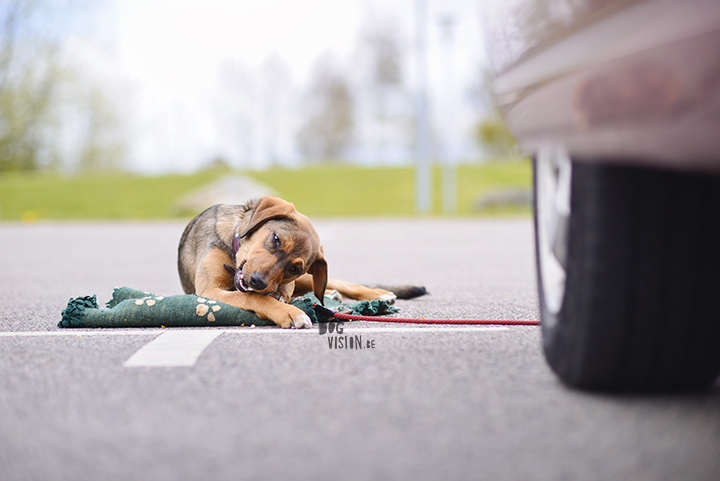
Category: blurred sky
<point>161,59</point>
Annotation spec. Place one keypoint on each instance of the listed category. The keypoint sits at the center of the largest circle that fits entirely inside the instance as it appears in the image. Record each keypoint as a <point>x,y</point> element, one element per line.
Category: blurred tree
<point>253,110</point>
<point>538,20</point>
<point>495,138</point>
<point>235,108</point>
<point>491,133</point>
<point>390,124</point>
<point>39,87</point>
<point>101,146</point>
<point>28,77</point>
<point>277,90</point>
<point>381,39</point>
<point>328,129</point>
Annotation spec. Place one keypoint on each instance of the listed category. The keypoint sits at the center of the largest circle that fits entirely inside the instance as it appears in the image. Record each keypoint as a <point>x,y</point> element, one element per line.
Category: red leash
<point>352,317</point>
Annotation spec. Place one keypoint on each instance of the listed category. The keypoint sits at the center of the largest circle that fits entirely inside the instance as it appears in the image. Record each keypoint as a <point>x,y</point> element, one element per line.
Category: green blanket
<point>133,308</point>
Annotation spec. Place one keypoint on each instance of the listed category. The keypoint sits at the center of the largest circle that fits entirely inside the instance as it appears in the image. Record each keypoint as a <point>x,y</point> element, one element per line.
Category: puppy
<point>256,257</point>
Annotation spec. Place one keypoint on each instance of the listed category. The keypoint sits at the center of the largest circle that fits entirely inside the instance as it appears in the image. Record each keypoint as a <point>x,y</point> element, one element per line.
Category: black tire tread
<point>643,280</point>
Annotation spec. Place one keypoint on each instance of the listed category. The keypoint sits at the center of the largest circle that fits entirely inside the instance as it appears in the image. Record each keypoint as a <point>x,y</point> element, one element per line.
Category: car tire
<point>628,263</point>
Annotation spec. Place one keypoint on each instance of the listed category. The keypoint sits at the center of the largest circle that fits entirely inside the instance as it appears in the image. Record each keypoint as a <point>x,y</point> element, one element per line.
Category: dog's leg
<point>360,292</point>
<point>265,307</point>
<point>304,284</point>
<point>214,282</point>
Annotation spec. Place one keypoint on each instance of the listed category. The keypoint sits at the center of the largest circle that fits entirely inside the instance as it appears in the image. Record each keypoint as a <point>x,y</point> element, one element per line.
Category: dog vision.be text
<point>343,342</point>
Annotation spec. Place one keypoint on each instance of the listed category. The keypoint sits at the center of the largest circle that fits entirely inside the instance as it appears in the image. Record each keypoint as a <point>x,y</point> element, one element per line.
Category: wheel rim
<point>554,176</point>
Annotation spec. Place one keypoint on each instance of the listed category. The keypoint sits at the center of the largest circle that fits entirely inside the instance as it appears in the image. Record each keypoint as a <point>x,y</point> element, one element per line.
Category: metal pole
<point>449,144</point>
<point>423,169</point>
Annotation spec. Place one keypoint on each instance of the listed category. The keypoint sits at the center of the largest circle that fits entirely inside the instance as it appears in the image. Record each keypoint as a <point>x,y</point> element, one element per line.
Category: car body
<point>612,79</point>
<point>618,102</point>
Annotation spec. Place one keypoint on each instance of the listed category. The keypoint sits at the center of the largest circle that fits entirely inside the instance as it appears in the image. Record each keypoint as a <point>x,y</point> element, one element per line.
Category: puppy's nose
<point>257,282</point>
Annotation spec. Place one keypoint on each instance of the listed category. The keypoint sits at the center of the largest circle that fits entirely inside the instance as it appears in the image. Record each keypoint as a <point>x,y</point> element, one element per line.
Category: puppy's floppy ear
<point>265,209</point>
<point>319,272</point>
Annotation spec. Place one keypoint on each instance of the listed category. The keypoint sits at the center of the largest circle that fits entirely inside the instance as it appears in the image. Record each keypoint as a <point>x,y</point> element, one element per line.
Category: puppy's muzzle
<point>238,280</point>
<point>257,282</point>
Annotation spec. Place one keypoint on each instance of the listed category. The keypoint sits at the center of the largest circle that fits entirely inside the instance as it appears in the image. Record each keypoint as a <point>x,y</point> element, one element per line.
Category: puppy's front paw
<point>294,318</point>
<point>301,321</point>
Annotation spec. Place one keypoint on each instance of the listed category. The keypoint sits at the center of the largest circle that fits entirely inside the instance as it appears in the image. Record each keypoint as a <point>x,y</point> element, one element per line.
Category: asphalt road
<point>423,403</point>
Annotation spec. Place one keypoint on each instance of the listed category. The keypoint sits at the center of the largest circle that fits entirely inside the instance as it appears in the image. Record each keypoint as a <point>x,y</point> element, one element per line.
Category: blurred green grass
<point>317,191</point>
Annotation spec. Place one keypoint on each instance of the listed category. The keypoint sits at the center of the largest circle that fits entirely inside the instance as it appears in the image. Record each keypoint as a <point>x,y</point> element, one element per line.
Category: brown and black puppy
<point>256,257</point>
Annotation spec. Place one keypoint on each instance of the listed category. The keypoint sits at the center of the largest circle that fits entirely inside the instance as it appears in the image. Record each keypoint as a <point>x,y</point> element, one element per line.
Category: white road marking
<point>246,330</point>
<point>173,349</point>
<point>80,333</point>
<point>183,347</point>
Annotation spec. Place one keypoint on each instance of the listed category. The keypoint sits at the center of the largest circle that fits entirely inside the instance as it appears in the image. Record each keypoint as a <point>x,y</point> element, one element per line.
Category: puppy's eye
<point>294,270</point>
<point>276,241</point>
